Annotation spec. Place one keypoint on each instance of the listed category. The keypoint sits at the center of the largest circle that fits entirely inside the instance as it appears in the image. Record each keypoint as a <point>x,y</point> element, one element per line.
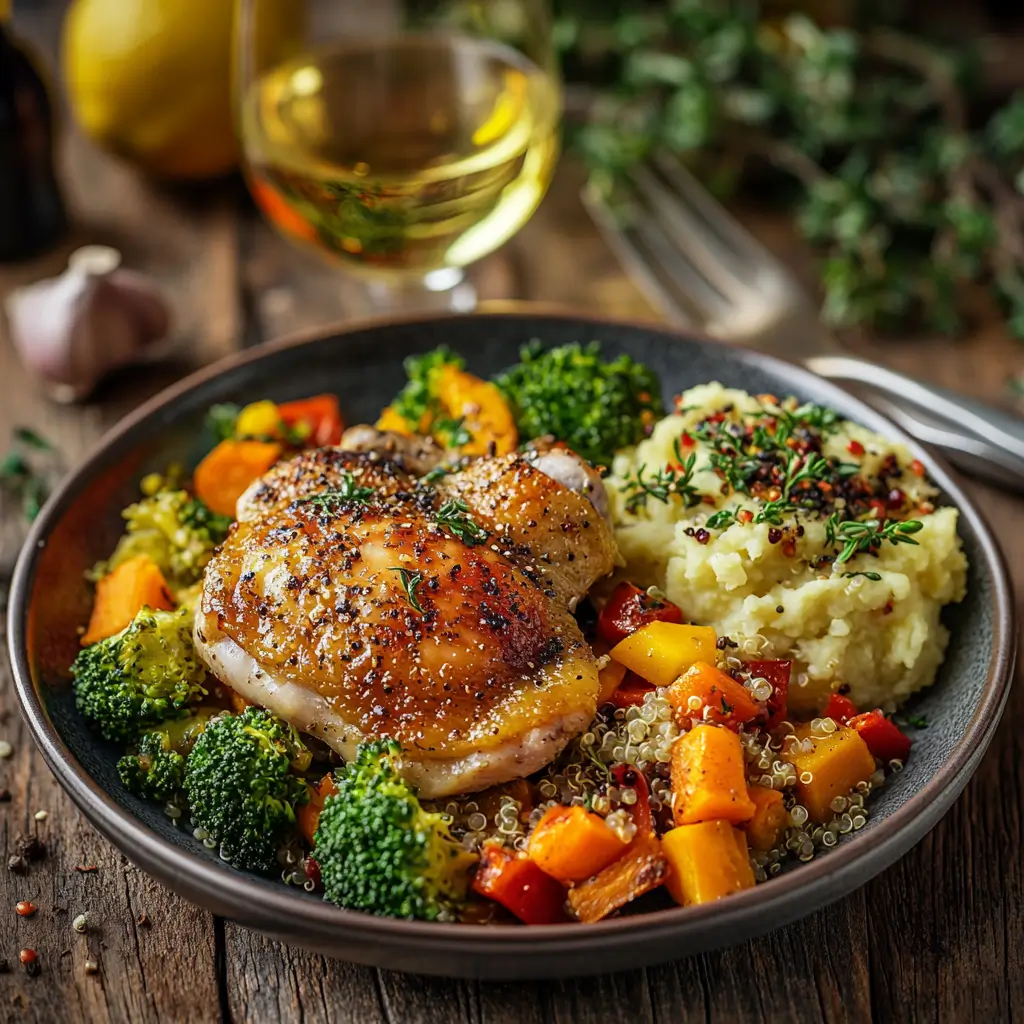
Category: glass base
<point>445,290</point>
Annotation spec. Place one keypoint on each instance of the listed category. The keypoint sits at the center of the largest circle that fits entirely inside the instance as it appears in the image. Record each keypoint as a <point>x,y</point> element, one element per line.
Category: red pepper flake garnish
<point>887,610</point>
<point>774,535</point>
<point>789,548</point>
<point>879,506</point>
<point>926,508</point>
<point>686,441</point>
<point>23,908</point>
<point>917,467</point>
<point>702,536</point>
<point>744,515</point>
<point>855,448</point>
<point>896,498</point>
<point>86,868</point>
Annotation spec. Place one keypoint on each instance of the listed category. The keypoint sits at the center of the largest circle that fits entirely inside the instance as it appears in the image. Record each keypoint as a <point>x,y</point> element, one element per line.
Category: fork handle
<point>977,438</point>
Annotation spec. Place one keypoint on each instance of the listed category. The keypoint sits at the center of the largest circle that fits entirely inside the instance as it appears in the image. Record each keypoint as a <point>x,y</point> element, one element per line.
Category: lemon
<point>150,80</point>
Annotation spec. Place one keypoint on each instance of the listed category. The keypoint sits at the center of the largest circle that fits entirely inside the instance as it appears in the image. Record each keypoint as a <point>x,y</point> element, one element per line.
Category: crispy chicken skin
<point>318,470</point>
<point>357,619</point>
<point>532,511</point>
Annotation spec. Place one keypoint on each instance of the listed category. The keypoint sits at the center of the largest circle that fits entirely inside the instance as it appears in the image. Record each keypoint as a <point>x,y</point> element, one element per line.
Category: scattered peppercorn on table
<point>89,937</point>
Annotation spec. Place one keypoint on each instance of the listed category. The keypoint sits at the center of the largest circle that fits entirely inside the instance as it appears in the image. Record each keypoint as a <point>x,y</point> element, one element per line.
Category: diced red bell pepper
<point>318,417</point>
<point>631,691</point>
<point>884,738</point>
<point>515,881</point>
<point>625,775</point>
<point>840,709</point>
<point>629,608</point>
<point>778,674</point>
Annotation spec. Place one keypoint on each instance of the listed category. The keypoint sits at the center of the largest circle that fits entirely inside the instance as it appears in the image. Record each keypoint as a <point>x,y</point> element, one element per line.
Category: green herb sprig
<point>345,492</point>
<point>676,479</point>
<point>411,580</point>
<point>908,180</point>
<point>453,517</point>
<point>859,537</point>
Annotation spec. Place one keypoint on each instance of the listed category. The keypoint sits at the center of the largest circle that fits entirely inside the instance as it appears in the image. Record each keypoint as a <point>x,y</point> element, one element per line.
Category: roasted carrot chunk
<point>307,817</point>
<point>707,861</point>
<point>135,584</point>
<point>640,869</point>
<point>708,779</point>
<point>222,477</point>
<point>765,827</point>
<point>571,844</point>
<point>702,686</point>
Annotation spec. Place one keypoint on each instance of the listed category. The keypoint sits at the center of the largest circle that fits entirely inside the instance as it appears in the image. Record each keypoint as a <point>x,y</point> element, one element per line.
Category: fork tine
<point>691,234</point>
<point>661,293</point>
<point>716,218</point>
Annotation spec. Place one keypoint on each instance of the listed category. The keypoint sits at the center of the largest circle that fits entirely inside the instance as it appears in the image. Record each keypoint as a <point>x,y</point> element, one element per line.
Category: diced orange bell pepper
<point>727,701</point>
<point>515,881</point>
<point>482,409</point>
<point>571,844</point>
<point>708,777</point>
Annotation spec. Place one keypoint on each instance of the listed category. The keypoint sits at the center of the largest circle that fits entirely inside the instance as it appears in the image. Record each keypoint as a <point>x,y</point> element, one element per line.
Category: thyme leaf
<point>453,517</point>
<point>673,479</point>
<point>347,490</point>
<point>411,579</point>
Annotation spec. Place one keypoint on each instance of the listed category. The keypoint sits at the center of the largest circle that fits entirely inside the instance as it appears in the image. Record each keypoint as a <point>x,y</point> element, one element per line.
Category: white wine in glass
<point>404,154</point>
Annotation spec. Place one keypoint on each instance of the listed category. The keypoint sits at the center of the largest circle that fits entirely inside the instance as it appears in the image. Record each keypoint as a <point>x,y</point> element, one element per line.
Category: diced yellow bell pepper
<point>259,420</point>
<point>660,651</point>
<point>706,862</point>
<point>393,421</point>
<point>832,767</point>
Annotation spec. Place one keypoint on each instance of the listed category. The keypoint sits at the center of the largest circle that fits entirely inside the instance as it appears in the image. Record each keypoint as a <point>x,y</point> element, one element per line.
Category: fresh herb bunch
<point>572,394</point>
<point>905,194</point>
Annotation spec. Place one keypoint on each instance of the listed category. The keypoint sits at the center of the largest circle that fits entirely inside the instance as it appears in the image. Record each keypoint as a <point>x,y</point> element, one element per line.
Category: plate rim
<point>806,888</point>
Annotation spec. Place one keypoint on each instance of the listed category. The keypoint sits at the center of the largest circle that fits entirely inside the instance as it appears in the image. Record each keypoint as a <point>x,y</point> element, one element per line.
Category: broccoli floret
<point>175,530</point>
<point>156,770</point>
<point>242,785</point>
<point>569,392</point>
<point>379,850</point>
<point>144,675</point>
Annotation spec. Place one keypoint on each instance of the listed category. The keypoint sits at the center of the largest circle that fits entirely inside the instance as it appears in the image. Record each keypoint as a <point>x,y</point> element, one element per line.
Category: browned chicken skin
<point>355,619</point>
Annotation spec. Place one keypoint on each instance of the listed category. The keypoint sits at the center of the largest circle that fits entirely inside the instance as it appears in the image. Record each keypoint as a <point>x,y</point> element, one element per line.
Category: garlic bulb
<point>74,329</point>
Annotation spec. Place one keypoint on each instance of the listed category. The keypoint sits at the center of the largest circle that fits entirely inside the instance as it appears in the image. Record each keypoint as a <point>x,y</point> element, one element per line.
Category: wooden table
<point>938,936</point>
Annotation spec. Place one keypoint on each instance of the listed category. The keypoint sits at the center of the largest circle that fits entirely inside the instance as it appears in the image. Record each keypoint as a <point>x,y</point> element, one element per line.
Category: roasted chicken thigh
<point>357,614</point>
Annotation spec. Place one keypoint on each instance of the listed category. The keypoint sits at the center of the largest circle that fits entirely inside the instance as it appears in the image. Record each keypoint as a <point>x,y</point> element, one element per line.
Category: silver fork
<point>704,270</point>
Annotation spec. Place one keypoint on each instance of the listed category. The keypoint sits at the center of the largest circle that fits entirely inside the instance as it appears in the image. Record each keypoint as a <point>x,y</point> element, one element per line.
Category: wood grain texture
<point>938,937</point>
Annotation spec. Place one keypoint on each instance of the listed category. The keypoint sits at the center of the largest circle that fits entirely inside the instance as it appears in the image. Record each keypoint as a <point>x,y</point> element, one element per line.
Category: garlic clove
<point>74,329</point>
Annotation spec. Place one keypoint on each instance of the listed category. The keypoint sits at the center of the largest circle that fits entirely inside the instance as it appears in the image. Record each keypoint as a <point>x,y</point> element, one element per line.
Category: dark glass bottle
<point>32,217</point>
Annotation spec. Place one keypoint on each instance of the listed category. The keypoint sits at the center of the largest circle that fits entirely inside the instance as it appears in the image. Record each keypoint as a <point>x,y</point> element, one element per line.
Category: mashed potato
<point>775,588</point>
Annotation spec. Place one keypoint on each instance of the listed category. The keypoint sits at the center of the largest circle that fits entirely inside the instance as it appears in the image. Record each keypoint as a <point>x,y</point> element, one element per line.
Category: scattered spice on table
<point>41,815</point>
<point>80,923</point>
<point>92,967</point>
<point>5,749</point>
<point>25,908</point>
<point>29,959</point>
<point>5,796</point>
<point>26,850</point>
<point>86,868</point>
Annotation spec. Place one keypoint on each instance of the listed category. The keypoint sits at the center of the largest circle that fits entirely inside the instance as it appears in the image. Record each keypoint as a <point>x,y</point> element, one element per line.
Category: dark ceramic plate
<point>80,524</point>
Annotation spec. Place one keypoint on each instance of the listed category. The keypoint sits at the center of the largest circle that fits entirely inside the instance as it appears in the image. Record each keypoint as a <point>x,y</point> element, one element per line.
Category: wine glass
<point>402,139</point>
